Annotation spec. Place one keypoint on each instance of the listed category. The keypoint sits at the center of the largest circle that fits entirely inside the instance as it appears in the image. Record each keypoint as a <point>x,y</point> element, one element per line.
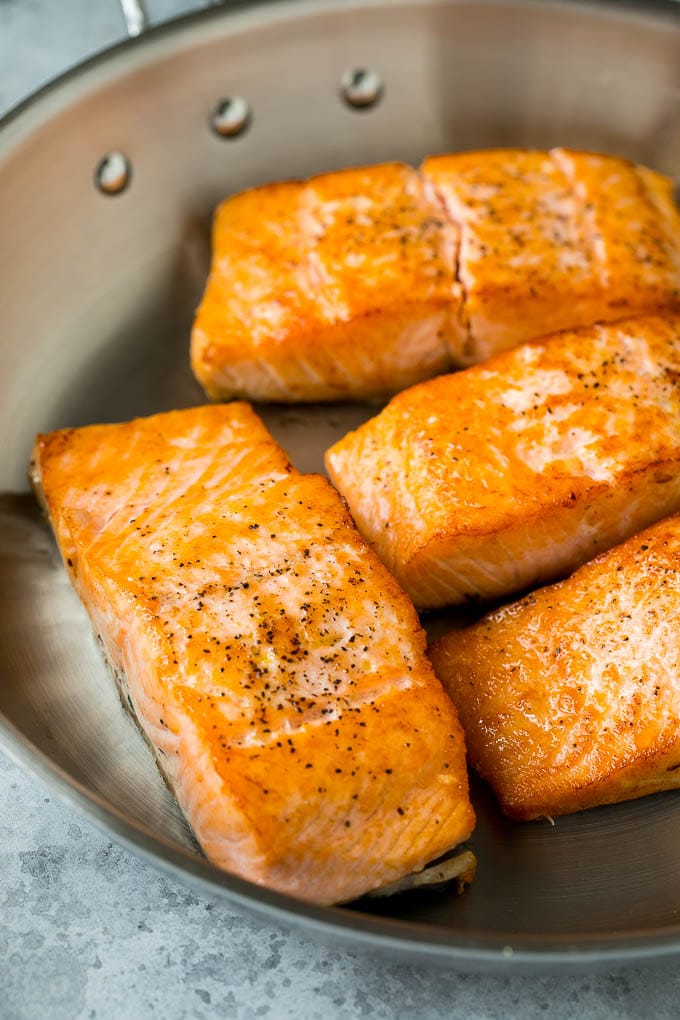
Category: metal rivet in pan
<point>361,88</point>
<point>230,117</point>
<point>113,173</point>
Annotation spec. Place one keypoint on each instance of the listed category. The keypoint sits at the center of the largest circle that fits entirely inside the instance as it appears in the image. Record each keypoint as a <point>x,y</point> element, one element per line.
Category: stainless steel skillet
<point>96,299</point>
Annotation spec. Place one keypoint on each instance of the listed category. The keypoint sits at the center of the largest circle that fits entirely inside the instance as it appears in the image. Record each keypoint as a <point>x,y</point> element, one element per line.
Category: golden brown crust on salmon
<point>555,240</point>
<point>271,660</point>
<point>358,283</point>
<point>570,698</point>
<point>505,475</point>
<point>340,286</point>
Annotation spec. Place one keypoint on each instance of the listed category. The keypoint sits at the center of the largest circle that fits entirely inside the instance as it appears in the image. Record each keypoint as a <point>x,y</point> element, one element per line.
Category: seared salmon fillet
<point>570,698</point>
<point>555,240</point>
<point>343,286</point>
<point>358,283</point>
<point>494,479</point>
<point>274,665</point>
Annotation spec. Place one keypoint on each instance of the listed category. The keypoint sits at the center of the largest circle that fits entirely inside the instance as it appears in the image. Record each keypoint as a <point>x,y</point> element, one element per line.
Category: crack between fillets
<point>466,354</point>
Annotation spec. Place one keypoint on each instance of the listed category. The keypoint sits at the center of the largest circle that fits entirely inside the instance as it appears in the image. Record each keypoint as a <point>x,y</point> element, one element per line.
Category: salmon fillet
<point>504,475</point>
<point>274,665</point>
<point>555,240</point>
<point>340,286</point>
<point>358,283</point>
<point>570,698</point>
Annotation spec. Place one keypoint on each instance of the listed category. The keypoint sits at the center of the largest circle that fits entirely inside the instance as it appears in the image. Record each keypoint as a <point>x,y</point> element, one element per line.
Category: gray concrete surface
<point>89,931</point>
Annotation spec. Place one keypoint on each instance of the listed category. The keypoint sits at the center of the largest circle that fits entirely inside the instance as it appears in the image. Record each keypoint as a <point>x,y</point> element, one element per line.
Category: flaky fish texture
<point>274,665</point>
<point>554,240</point>
<point>481,483</point>
<point>358,283</point>
<point>570,698</point>
<point>343,286</point>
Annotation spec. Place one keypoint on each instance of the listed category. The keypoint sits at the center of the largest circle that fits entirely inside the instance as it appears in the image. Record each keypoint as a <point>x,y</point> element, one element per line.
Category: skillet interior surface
<point>96,302</point>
